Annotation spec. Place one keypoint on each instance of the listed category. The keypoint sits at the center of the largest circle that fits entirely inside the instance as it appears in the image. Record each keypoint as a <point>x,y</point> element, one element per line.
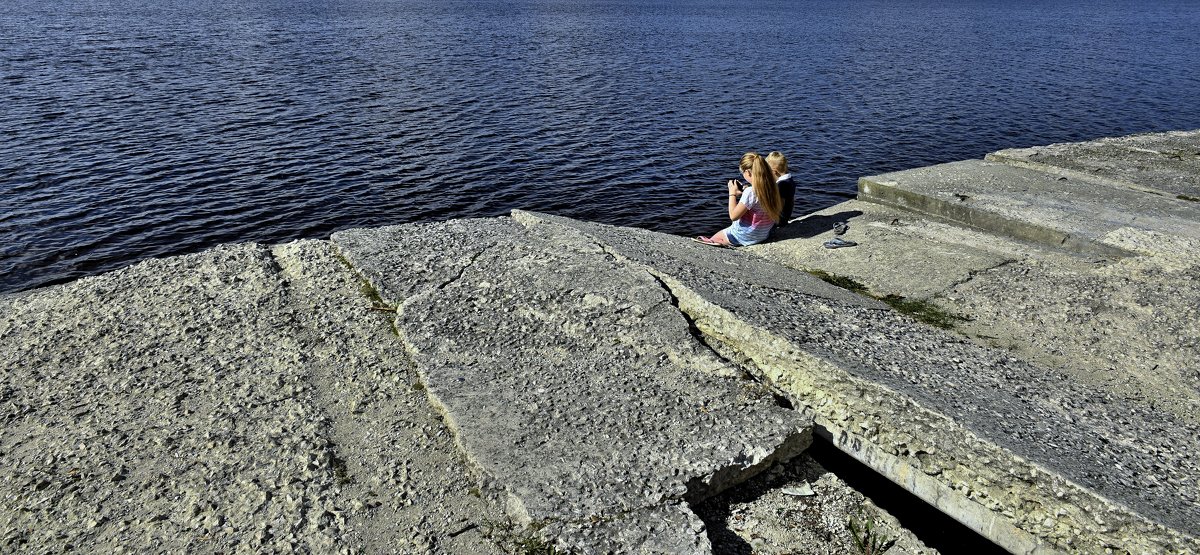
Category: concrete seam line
<point>935,209</point>
<point>1006,157</point>
<point>1119,527</point>
<point>410,351</point>
<point>717,322</point>
<point>972,273</point>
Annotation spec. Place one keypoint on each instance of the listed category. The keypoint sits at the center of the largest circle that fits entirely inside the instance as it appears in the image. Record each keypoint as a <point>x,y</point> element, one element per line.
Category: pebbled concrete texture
<point>572,382</point>
<point>1106,327</point>
<point>1017,451</point>
<point>1166,164</point>
<point>243,399</point>
<point>896,253</point>
<point>1080,215</point>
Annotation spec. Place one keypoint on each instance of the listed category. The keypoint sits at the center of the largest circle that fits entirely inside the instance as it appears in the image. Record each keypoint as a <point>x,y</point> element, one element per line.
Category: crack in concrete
<point>971,274</point>
<point>462,271</point>
<point>692,329</point>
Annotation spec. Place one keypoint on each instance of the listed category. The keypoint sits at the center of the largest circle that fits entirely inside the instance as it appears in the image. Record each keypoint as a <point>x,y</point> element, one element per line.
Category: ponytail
<point>763,180</point>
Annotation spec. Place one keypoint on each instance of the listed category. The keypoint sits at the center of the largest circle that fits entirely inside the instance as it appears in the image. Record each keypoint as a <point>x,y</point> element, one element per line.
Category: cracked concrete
<point>573,384</point>
<point>243,399</point>
<point>1115,327</point>
<point>594,384</point>
<point>979,433</point>
<point>1166,164</point>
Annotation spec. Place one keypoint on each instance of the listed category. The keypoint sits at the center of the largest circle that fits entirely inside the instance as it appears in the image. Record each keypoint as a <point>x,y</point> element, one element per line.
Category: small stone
<point>803,490</point>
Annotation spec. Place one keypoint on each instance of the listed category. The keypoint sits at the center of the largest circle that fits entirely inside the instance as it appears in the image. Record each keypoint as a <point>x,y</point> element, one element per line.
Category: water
<point>141,128</point>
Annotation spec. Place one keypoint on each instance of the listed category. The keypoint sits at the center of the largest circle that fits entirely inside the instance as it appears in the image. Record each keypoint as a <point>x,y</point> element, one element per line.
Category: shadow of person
<point>812,226</point>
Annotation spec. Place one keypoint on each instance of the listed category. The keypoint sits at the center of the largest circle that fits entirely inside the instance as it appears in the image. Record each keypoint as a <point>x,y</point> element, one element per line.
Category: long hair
<point>763,180</point>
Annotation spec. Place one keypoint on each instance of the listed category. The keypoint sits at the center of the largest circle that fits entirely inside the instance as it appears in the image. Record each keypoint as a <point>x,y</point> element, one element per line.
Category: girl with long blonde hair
<point>754,210</point>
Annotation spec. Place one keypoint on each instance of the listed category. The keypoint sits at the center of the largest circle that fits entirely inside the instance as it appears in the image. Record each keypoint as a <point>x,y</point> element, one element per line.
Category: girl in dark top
<point>787,185</point>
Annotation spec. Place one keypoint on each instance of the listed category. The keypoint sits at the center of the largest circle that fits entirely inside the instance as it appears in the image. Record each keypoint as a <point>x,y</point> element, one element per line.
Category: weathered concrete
<point>1082,216</point>
<point>288,418</point>
<point>801,508</point>
<point>1031,266</point>
<point>572,382</point>
<point>243,399</point>
<point>1123,327</point>
<point>1167,164</point>
<point>1014,450</point>
<point>897,252</point>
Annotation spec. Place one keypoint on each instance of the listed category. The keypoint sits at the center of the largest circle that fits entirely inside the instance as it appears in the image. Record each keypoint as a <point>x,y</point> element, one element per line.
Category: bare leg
<point>720,238</point>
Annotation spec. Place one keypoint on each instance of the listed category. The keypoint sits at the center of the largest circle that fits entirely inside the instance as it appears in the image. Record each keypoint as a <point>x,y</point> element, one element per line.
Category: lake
<point>143,128</point>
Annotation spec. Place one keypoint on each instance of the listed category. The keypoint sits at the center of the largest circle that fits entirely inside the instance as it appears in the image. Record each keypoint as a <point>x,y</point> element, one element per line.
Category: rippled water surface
<point>139,128</point>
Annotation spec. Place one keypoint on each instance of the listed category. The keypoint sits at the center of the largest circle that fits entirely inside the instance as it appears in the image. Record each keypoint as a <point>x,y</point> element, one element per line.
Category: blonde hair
<point>778,162</point>
<point>763,181</point>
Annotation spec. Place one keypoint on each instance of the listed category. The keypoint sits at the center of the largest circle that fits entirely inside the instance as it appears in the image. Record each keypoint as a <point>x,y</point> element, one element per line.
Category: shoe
<point>838,242</point>
<point>841,228</point>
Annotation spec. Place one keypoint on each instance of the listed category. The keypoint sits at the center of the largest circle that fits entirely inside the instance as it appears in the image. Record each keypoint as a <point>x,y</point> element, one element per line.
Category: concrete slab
<point>725,271</point>
<point>238,400</point>
<point>1018,452</point>
<point>1166,164</point>
<point>1121,327</point>
<point>1071,213</point>
<point>572,382</point>
<point>897,253</point>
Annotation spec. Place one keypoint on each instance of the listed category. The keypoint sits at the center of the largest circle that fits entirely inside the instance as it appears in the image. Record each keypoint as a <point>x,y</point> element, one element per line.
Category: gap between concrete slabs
<point>882,406</point>
<point>572,382</point>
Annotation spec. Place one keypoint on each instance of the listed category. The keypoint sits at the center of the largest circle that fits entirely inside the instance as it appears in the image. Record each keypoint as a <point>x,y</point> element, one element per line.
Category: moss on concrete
<point>920,310</point>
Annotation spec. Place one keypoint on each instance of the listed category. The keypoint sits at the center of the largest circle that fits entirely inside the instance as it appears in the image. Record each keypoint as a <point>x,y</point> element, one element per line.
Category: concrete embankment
<point>1077,272</point>
<point>475,385</point>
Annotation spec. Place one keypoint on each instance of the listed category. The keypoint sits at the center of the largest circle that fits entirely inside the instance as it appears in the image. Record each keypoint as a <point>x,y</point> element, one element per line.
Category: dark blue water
<point>140,128</point>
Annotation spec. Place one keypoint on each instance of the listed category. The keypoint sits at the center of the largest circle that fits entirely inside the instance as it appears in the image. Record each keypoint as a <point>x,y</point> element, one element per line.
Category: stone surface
<point>1077,214</point>
<point>1164,163</point>
<point>572,382</point>
<point>897,253</point>
<point>243,399</point>
<point>1120,326</point>
<point>1018,451</point>
<point>801,508</point>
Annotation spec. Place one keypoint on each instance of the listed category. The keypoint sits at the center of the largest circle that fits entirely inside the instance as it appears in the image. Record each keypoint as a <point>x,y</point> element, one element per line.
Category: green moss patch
<point>922,311</point>
<point>841,281</point>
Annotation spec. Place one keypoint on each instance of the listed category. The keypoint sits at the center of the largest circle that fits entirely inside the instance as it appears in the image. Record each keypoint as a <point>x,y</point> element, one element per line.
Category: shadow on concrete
<point>934,528</point>
<point>719,511</point>
<point>812,226</point>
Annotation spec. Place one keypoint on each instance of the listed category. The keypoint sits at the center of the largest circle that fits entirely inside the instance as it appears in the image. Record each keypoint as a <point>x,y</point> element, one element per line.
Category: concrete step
<point>1167,164</point>
<point>1019,452</point>
<point>1073,213</point>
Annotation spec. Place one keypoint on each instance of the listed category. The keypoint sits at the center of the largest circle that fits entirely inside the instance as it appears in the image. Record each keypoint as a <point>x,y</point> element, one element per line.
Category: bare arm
<point>736,208</point>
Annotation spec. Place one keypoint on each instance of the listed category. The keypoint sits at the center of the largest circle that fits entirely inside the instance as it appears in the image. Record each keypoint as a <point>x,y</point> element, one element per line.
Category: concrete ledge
<point>1086,213</point>
<point>572,382</point>
<point>980,214</point>
<point>1020,453</point>
<point>242,399</point>
<point>1165,164</point>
